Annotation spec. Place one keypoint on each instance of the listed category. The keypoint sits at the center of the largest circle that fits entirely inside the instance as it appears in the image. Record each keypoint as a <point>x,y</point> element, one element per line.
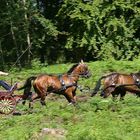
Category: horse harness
<point>64,86</point>
<point>136,79</point>
<point>136,83</point>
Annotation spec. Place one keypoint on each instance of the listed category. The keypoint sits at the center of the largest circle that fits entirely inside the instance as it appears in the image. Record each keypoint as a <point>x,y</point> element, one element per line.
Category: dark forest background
<point>59,31</point>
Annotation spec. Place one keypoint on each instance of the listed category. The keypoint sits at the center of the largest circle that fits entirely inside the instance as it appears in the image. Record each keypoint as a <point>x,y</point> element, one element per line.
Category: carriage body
<point>8,100</point>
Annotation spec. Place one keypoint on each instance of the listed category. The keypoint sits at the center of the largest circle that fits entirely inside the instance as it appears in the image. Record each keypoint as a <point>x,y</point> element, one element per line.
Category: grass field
<point>93,119</point>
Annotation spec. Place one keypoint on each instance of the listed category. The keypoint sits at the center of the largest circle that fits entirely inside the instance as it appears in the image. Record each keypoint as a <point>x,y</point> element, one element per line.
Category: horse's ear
<point>82,62</point>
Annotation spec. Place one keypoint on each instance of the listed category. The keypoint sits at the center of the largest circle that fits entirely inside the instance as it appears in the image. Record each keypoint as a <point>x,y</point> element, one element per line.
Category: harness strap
<point>136,79</point>
<point>65,86</point>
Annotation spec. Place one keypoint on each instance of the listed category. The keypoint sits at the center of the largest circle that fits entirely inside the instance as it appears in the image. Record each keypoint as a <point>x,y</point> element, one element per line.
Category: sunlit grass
<point>93,119</point>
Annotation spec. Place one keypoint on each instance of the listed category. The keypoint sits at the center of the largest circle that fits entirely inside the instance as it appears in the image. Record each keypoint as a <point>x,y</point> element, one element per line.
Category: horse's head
<point>80,69</point>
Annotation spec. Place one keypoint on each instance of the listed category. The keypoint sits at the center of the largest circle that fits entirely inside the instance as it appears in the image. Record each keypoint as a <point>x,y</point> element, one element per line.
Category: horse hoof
<point>70,104</point>
<point>93,94</point>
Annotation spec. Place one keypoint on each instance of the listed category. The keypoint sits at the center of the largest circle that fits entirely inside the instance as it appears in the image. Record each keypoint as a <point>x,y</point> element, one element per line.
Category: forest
<point>60,31</point>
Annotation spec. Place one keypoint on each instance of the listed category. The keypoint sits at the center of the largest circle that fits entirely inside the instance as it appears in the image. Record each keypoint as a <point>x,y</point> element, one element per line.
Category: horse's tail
<point>27,83</point>
<point>97,87</point>
<point>98,84</point>
<point>27,87</point>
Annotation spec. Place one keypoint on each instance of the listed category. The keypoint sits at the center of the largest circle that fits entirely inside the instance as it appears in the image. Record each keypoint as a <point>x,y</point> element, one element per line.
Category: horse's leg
<point>122,95</point>
<point>138,94</point>
<point>41,93</point>
<point>23,102</point>
<point>74,94</point>
<point>102,93</point>
<point>26,96</point>
<point>70,98</point>
<point>114,95</point>
<point>106,92</point>
<point>32,99</point>
<point>42,100</point>
<point>67,97</point>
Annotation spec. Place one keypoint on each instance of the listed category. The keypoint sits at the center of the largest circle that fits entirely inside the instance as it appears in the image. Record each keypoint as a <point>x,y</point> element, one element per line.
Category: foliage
<point>106,28</point>
<point>67,30</point>
<point>95,118</point>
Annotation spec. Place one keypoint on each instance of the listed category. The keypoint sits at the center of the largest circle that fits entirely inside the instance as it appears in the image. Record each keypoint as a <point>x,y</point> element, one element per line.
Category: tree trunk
<point>28,34</point>
<point>2,59</point>
<point>17,49</point>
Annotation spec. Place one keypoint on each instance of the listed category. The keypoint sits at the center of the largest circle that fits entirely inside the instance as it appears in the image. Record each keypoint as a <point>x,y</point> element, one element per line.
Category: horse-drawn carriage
<point>8,100</point>
<point>64,84</point>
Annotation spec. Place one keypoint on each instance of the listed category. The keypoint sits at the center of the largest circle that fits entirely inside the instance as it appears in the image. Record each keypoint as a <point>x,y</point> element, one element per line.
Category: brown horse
<point>118,84</point>
<point>65,84</point>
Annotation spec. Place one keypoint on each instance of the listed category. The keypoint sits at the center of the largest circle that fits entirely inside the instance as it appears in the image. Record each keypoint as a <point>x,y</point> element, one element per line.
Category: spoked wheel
<point>7,104</point>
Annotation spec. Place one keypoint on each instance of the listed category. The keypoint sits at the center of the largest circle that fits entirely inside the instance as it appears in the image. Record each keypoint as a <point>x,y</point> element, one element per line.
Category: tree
<point>101,29</point>
<point>57,31</point>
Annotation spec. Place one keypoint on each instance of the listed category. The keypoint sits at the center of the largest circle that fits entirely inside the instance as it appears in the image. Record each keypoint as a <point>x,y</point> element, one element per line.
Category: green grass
<point>93,119</point>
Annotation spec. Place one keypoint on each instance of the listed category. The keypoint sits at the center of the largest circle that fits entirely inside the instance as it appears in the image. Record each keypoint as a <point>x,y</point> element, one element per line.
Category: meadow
<point>93,119</point>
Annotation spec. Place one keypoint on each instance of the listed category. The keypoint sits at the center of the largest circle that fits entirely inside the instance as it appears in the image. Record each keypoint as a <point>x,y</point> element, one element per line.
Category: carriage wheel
<point>7,104</point>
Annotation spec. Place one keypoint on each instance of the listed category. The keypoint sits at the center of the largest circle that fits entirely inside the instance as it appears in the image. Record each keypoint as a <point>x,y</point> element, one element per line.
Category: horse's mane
<point>72,68</point>
<point>110,74</point>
